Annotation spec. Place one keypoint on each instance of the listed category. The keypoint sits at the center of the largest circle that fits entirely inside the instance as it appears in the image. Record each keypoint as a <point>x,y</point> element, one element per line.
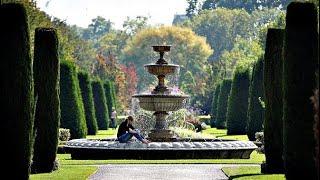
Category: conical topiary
<point>47,119</point>
<point>16,92</point>
<point>100,104</point>
<point>238,101</point>
<point>72,110</point>
<point>255,109</point>
<point>87,97</point>
<point>299,79</point>
<point>223,103</point>
<point>215,105</point>
<point>273,123</point>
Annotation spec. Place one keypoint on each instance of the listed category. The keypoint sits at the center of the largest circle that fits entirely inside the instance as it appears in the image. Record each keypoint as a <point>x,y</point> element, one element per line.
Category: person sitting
<point>126,131</point>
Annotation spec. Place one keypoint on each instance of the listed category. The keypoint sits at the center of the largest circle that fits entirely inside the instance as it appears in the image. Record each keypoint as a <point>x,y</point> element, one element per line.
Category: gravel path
<point>161,172</point>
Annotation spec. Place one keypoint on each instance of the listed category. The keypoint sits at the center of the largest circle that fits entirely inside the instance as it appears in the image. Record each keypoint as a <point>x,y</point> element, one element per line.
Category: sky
<point>81,12</point>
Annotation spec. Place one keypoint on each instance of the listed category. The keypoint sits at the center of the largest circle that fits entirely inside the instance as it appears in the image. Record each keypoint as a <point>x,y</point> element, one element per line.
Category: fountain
<point>164,144</point>
<point>161,100</point>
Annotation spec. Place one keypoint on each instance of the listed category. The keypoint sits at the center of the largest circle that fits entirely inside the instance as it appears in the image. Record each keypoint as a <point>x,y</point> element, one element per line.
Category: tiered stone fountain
<point>164,145</point>
<point>161,100</point>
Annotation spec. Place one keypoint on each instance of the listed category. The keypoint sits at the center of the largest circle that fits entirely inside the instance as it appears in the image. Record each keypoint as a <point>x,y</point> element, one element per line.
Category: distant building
<point>179,18</point>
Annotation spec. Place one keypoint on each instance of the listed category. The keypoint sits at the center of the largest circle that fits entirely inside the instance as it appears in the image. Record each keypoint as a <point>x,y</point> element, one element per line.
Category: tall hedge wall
<point>215,105</point>
<point>47,118</point>
<point>16,92</point>
<point>238,101</point>
<point>72,110</point>
<point>273,123</point>
<point>100,104</point>
<point>255,109</point>
<point>299,76</point>
<point>223,103</point>
<point>87,97</point>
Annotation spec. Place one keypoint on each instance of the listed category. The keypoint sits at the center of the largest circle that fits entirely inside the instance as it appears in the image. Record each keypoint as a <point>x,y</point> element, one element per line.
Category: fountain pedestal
<point>160,131</point>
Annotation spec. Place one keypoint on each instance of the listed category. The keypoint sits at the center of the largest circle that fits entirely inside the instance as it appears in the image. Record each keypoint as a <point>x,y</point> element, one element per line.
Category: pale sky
<point>80,12</point>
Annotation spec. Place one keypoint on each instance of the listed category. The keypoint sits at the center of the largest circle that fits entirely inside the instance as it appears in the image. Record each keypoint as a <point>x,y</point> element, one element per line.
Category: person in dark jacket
<point>126,131</point>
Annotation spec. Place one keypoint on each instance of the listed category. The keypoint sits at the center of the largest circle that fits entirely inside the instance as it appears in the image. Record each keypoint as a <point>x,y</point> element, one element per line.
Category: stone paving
<point>162,172</point>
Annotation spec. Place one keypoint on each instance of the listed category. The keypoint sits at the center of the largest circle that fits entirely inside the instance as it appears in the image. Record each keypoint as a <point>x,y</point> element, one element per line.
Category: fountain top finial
<point>161,48</point>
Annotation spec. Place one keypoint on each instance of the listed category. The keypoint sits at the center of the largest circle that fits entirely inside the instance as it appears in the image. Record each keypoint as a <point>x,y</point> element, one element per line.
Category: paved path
<point>161,172</point>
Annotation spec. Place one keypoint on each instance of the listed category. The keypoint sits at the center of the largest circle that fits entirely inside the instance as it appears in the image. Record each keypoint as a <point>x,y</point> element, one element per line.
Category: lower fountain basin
<point>182,149</point>
<point>159,102</point>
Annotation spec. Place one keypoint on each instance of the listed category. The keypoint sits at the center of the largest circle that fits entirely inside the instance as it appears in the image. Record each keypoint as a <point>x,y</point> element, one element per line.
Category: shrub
<point>64,134</point>
<point>72,110</point>
<point>223,103</point>
<point>100,104</point>
<point>87,97</point>
<point>47,118</point>
<point>215,105</point>
<point>255,109</point>
<point>16,92</point>
<point>273,123</point>
<point>238,101</point>
<point>299,78</point>
<point>109,96</point>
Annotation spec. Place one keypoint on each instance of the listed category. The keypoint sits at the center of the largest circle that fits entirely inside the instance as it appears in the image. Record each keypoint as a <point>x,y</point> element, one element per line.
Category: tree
<point>72,109</point>
<point>98,27</point>
<point>192,8</point>
<point>132,26</point>
<point>87,97</point>
<point>17,91</point>
<point>223,103</point>
<point>238,101</point>
<point>255,109</point>
<point>273,85</point>
<point>100,104</point>
<point>188,50</point>
<point>299,79</point>
<point>245,4</point>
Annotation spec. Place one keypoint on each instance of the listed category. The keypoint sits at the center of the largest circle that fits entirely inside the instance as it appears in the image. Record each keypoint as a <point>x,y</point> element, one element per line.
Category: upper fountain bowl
<point>163,48</point>
<point>161,69</point>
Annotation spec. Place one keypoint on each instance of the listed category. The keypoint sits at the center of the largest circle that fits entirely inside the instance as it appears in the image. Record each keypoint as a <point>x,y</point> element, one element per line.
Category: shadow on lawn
<point>244,175</point>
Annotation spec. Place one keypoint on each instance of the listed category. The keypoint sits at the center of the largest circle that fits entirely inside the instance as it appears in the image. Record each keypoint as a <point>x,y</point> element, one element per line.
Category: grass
<point>67,172</point>
<point>82,169</point>
<point>249,173</point>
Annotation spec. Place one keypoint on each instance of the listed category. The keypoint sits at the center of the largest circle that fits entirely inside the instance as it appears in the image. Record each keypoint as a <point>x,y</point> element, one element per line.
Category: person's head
<point>129,119</point>
<point>113,109</point>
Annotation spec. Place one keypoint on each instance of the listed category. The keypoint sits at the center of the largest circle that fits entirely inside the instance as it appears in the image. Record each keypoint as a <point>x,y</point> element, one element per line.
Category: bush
<point>47,118</point>
<point>17,99</point>
<point>223,103</point>
<point>273,123</point>
<point>109,96</point>
<point>301,50</point>
<point>87,97</point>
<point>64,134</point>
<point>100,104</point>
<point>238,101</point>
<point>72,110</point>
<point>255,109</point>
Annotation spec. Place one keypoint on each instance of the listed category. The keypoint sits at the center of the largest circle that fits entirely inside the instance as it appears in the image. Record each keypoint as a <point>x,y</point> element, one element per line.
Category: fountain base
<point>162,135</point>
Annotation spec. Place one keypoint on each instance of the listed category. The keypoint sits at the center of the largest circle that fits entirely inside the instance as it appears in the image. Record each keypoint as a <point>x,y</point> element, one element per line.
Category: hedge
<point>223,103</point>
<point>238,101</point>
<point>215,105</point>
<point>72,110</point>
<point>273,123</point>
<point>47,118</point>
<point>16,92</point>
<point>87,97</point>
<point>299,78</point>
<point>255,109</point>
<point>100,104</point>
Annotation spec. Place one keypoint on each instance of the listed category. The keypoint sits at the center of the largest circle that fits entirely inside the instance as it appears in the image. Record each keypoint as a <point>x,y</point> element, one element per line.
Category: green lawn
<point>69,172</point>
<point>81,169</point>
<point>250,173</point>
